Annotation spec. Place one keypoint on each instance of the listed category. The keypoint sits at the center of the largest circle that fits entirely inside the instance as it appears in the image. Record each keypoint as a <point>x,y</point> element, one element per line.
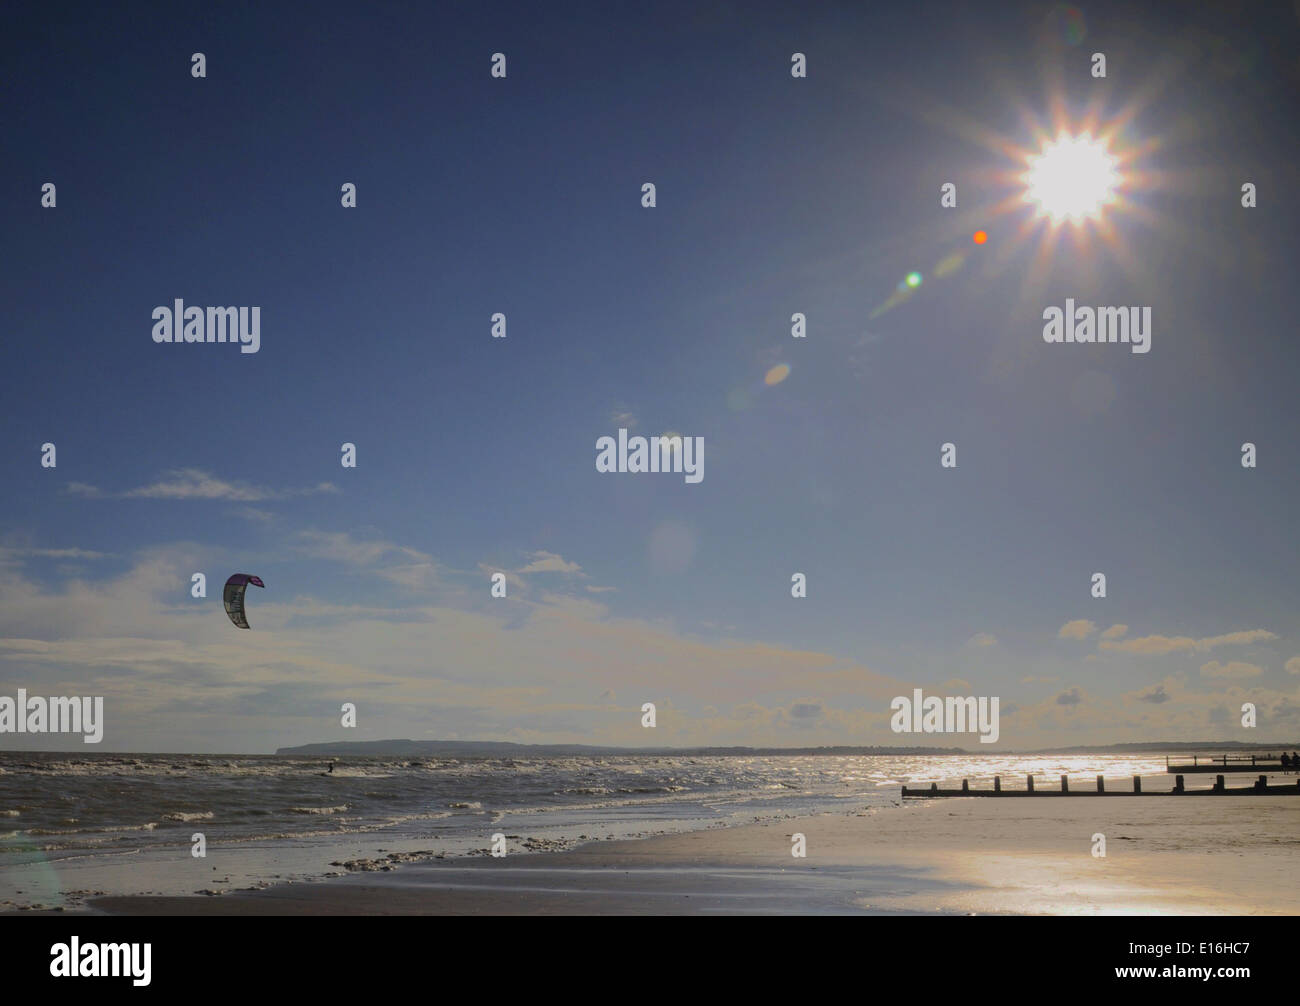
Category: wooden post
<point>1065,784</point>
<point>1218,784</point>
<point>965,785</point>
<point>1137,784</point>
<point>1178,784</point>
<point>1101,784</point>
<point>997,784</point>
<point>934,787</point>
<point>1031,783</point>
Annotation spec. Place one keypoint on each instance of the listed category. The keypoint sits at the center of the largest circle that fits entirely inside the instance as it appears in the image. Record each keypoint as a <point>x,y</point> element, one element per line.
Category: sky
<point>476,455</point>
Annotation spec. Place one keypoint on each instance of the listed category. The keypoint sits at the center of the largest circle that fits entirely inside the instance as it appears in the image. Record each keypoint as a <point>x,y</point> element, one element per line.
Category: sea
<point>74,826</point>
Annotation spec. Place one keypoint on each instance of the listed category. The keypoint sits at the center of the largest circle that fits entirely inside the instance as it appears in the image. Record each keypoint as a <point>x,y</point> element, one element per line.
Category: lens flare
<point>949,264</point>
<point>913,280</point>
<point>1069,23</point>
<point>777,374</point>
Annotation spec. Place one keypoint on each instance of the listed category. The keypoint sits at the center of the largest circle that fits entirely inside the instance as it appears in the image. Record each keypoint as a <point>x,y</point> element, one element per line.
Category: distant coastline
<point>491,749</point>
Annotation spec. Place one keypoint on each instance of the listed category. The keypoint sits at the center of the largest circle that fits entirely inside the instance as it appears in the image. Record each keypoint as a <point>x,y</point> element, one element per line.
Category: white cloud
<point>51,553</point>
<point>342,547</point>
<point>415,575</point>
<point>549,562</point>
<point>1236,638</point>
<point>194,483</point>
<point>1080,628</point>
<point>1233,669</point>
<point>1156,645</point>
<point>982,639</point>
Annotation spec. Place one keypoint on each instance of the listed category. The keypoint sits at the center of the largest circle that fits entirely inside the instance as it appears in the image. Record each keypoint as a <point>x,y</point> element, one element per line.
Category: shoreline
<point>955,856</point>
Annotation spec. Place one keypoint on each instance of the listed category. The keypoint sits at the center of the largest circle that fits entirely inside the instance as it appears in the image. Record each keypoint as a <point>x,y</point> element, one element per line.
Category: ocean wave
<point>107,828</point>
<point>198,815</point>
<point>319,810</point>
<point>435,815</point>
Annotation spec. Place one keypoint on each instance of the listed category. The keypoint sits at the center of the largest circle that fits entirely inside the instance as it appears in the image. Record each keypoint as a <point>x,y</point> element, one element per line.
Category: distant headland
<point>499,749</point>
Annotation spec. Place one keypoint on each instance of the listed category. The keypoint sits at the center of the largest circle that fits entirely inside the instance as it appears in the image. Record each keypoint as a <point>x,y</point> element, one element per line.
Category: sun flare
<point>1072,178</point>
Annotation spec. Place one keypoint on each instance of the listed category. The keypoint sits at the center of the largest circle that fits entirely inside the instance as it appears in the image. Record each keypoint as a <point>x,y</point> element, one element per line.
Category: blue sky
<point>522,195</point>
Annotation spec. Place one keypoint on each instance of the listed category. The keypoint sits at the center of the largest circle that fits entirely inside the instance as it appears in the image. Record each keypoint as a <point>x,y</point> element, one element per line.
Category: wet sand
<point>1189,855</point>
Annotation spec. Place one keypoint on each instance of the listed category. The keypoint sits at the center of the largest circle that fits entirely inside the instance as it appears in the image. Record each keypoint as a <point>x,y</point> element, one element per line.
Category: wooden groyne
<point>1229,763</point>
<point>1260,788</point>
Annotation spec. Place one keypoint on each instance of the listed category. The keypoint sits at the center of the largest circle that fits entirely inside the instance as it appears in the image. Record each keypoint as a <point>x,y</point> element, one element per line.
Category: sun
<point>1072,178</point>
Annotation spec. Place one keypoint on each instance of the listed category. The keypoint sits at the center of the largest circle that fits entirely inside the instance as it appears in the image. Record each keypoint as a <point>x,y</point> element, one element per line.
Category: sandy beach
<point>1193,856</point>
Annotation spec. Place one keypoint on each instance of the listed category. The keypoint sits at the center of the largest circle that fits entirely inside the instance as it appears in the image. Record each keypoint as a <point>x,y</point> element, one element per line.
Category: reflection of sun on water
<point>1047,769</point>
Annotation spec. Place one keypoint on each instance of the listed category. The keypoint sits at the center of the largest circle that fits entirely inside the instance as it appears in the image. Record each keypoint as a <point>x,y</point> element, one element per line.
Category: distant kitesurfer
<point>331,766</point>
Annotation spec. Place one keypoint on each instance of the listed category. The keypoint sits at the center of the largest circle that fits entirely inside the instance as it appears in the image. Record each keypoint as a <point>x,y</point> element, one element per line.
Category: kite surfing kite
<point>234,597</point>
